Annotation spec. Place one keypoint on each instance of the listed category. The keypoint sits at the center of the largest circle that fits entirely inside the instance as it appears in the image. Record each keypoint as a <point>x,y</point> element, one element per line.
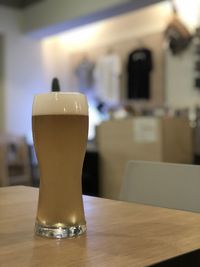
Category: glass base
<point>59,232</point>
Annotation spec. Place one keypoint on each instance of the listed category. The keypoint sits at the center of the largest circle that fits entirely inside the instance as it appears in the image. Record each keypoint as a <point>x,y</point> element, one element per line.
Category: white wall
<point>124,29</point>
<point>23,73</point>
<point>2,122</point>
<point>51,16</point>
<point>179,70</point>
<point>180,76</point>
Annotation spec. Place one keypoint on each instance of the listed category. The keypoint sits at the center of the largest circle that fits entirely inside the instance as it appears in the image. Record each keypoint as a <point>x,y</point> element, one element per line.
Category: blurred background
<point>138,62</point>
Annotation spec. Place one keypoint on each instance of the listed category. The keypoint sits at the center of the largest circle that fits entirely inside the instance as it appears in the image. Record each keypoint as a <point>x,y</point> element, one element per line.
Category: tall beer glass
<point>60,128</point>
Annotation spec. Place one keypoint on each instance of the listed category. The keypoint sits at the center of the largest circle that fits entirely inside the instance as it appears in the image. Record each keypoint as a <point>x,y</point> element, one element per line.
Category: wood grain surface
<point>119,234</point>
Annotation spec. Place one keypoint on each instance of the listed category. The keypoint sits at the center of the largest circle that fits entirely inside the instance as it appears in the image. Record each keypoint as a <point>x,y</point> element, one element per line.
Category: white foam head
<point>55,103</point>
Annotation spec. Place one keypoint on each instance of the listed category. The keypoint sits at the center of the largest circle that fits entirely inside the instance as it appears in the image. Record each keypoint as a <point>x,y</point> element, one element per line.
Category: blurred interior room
<point>138,62</point>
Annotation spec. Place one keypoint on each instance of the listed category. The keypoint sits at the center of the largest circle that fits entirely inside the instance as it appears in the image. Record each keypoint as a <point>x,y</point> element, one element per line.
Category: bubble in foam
<point>55,103</point>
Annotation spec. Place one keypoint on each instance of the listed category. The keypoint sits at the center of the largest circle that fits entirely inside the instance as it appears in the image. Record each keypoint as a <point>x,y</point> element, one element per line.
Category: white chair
<point>162,184</point>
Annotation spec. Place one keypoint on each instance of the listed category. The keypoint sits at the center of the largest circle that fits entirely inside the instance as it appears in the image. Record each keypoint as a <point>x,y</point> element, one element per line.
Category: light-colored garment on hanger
<point>107,74</point>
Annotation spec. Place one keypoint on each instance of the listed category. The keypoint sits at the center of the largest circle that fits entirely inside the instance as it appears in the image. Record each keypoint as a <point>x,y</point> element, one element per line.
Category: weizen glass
<point>60,129</point>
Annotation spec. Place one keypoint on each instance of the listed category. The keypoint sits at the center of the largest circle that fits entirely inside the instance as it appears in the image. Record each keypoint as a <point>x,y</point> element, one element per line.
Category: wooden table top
<point>119,234</point>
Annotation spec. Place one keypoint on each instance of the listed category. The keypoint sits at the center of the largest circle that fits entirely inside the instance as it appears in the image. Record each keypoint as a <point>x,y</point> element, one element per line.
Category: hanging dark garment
<point>139,68</point>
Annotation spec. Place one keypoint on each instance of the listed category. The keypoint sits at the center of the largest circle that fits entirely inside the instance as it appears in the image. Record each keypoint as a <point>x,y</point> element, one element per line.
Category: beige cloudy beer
<point>60,128</point>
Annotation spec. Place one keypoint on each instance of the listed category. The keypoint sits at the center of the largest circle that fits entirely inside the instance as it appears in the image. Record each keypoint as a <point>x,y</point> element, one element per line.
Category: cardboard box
<point>139,138</point>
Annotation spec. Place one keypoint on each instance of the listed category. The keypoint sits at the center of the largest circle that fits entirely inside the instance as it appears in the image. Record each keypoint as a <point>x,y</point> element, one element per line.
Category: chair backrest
<point>14,160</point>
<point>162,184</point>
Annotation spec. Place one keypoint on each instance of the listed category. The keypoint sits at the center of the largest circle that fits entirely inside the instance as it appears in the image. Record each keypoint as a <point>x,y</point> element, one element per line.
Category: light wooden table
<point>119,234</point>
